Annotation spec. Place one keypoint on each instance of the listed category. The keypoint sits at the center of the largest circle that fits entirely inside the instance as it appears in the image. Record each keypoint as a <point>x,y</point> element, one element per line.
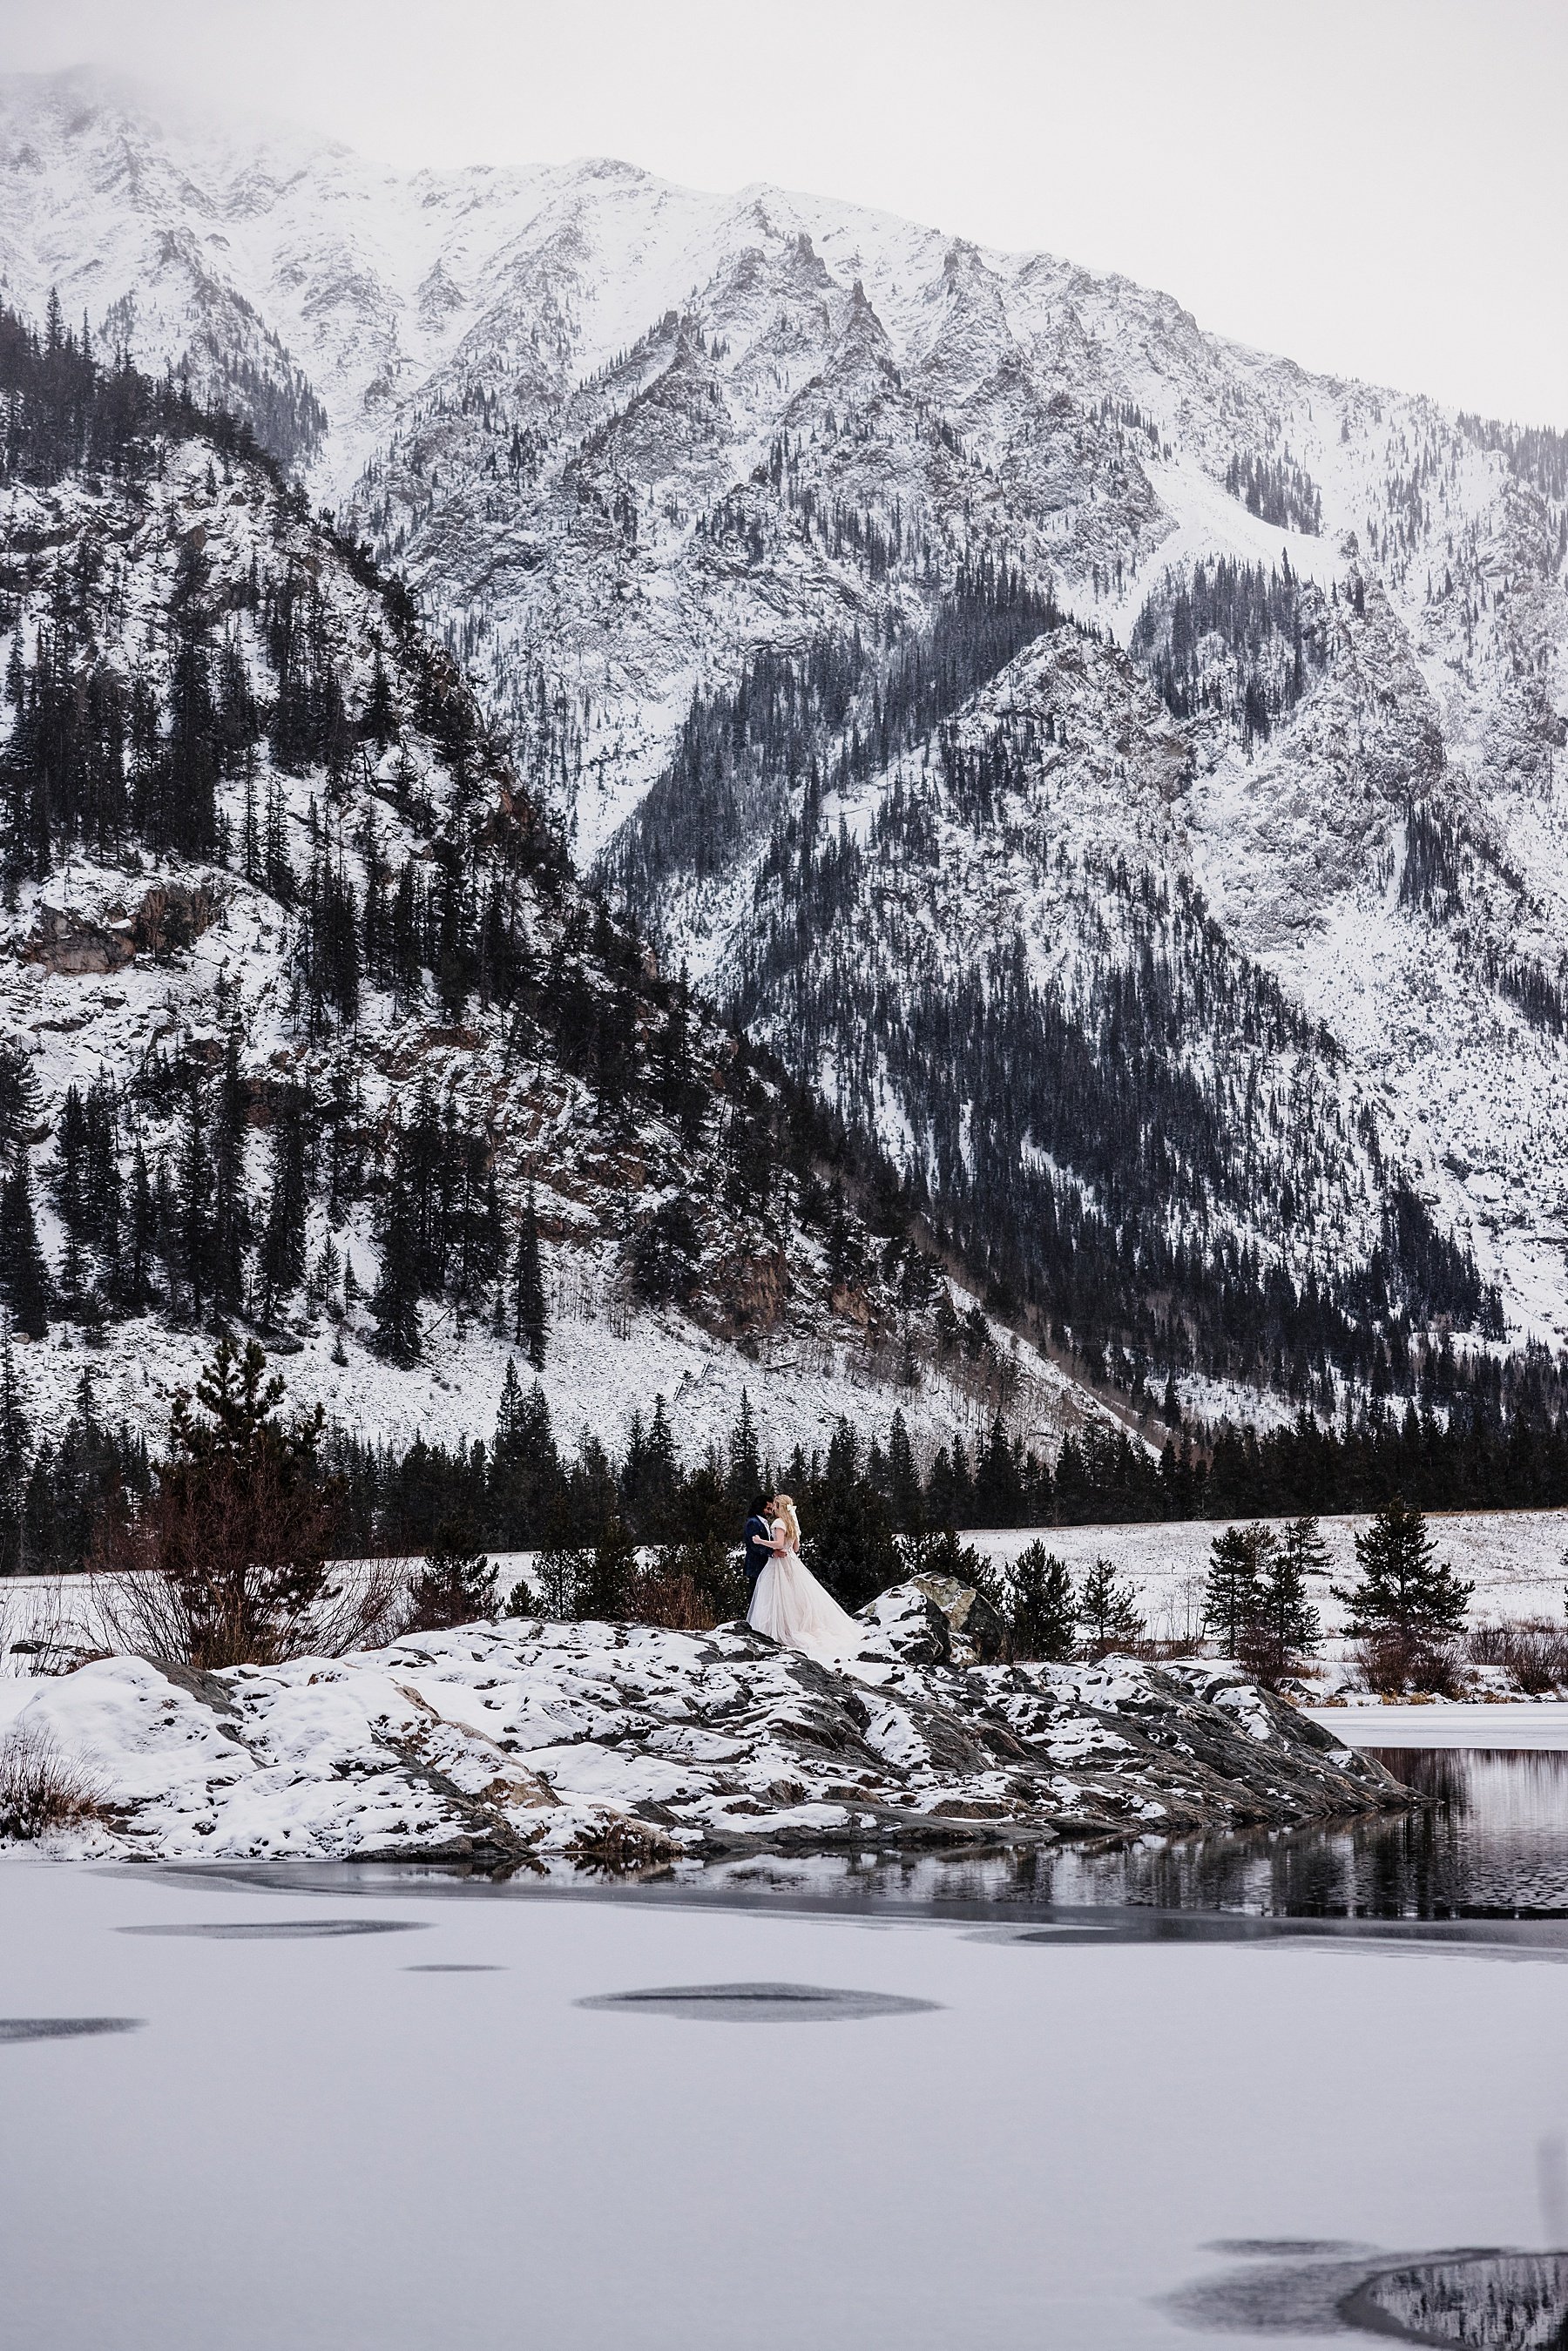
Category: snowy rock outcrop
<point>622,1746</point>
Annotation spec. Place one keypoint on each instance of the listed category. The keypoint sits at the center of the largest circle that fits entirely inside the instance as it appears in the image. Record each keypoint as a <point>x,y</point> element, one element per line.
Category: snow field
<point>1518,1560</point>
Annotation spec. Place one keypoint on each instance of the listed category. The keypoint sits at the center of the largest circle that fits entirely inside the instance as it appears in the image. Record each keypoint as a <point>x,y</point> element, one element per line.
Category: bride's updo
<point>784,1509</point>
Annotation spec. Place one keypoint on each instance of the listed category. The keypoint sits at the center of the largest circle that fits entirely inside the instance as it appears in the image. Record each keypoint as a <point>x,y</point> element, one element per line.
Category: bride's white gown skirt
<point>791,1606</point>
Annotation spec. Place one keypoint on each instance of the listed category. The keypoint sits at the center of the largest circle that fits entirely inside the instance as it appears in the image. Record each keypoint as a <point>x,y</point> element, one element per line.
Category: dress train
<point>792,1608</point>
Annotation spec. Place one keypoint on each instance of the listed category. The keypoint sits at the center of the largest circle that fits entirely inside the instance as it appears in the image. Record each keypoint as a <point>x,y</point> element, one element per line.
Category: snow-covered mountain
<point>308,1021</point>
<point>1117,766</point>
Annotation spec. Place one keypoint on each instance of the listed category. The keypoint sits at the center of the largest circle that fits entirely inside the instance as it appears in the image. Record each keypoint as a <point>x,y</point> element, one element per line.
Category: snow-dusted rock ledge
<point>622,1745</point>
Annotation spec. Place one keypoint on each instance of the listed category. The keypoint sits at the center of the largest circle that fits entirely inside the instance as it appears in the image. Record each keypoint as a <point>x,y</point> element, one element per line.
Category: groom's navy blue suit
<point>758,1552</point>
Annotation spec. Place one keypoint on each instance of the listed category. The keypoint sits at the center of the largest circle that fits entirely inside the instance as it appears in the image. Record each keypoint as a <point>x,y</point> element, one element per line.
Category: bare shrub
<point>226,1564</point>
<point>149,1613</point>
<point>1533,1652</point>
<point>1398,1664</point>
<point>40,1787</point>
<point>669,1596</point>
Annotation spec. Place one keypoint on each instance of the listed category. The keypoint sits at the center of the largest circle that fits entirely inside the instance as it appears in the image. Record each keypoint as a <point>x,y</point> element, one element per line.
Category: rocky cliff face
<point>642,450</point>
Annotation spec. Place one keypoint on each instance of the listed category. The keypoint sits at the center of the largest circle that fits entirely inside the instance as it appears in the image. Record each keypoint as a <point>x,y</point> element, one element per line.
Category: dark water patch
<point>1049,1906</point>
<point>1476,2298</point>
<point>281,1931</point>
<point>65,2028</point>
<point>1286,2248</point>
<point>759,2003</point>
<point>1489,1843</point>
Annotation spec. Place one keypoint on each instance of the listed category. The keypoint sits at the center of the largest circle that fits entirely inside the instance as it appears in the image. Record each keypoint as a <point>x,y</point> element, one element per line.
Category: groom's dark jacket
<point>758,1548</point>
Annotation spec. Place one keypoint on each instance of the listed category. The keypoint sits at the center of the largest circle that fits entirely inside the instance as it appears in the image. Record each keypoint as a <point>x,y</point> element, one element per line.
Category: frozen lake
<point>369,2111</point>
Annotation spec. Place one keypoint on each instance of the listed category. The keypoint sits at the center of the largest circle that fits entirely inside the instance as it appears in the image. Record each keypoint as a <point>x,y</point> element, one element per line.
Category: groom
<point>758,1540</point>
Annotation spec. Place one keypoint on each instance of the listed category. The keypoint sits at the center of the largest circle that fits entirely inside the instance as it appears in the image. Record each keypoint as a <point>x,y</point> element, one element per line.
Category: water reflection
<point>1491,1841</point>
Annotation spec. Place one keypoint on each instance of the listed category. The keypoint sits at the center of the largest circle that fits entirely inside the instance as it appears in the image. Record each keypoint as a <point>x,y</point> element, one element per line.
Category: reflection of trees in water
<point>1496,2301</point>
<point>1492,1836</point>
<point>1442,1774</point>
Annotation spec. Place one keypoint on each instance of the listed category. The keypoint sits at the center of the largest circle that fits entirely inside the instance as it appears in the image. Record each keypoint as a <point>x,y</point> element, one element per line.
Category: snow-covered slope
<point>627,439</point>
<point>237,776</point>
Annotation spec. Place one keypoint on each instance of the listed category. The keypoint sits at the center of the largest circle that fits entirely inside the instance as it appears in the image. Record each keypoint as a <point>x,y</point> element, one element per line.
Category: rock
<point>71,945</point>
<point>622,1746</point>
<point>74,947</point>
<point>976,1632</point>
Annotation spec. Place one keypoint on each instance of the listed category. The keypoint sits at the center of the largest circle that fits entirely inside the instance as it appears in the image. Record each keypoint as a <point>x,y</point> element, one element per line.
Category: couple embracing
<point>786,1602</point>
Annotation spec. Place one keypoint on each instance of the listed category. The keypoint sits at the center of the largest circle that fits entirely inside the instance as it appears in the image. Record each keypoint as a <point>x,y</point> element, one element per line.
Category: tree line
<point>675,1486</point>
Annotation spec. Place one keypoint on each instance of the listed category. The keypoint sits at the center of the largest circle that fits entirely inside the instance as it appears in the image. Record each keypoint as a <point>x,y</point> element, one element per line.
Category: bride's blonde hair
<point>783,1508</point>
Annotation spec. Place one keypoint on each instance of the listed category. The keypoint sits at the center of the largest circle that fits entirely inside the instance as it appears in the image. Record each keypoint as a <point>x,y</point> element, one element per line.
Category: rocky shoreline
<point>618,1747</point>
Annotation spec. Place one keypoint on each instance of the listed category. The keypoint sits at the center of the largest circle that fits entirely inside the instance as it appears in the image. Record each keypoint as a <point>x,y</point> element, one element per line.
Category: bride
<point>790,1605</point>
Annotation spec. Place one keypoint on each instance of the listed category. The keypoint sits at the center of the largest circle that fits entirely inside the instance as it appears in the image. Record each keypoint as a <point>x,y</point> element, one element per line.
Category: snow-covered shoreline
<point>625,1746</point>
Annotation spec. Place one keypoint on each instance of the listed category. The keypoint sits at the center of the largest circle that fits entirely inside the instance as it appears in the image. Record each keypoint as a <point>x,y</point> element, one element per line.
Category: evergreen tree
<point>1107,1611</point>
<point>1402,1589</point>
<point>528,1502</point>
<point>194,1212</point>
<point>1282,1624</point>
<point>232,1548</point>
<point>455,1584</point>
<point>1042,1607</point>
<point>24,1275</point>
<point>998,1488</point>
<point>1237,1560</point>
<point>903,1494</point>
<point>531,1320</point>
<point>611,1575</point>
<point>20,1099</point>
<point>282,1259</point>
<point>16,1447</point>
<point>745,1461</point>
<point>849,1545</point>
<point>231,1218</point>
<point>395,1304</point>
<point>139,1289</point>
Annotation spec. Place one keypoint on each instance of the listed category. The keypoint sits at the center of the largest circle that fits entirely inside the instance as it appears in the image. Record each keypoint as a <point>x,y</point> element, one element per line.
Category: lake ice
<point>424,2142</point>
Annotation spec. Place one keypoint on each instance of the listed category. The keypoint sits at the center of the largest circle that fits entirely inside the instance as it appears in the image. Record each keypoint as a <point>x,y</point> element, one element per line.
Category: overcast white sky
<point>1380,188</point>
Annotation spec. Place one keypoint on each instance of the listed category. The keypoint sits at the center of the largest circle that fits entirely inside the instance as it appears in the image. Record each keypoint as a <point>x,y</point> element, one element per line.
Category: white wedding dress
<point>791,1607</point>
